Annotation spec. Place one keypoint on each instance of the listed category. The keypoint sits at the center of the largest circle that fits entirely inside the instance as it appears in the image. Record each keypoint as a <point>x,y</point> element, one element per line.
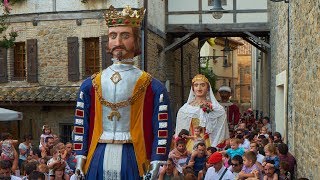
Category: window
<point>19,64</point>
<point>66,132</point>
<point>92,57</point>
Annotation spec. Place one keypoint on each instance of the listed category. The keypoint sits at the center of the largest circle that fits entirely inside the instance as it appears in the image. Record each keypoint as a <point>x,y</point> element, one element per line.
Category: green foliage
<point>211,77</point>
<point>7,41</point>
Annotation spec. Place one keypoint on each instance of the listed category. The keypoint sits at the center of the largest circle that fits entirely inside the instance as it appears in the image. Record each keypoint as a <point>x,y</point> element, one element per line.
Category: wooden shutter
<point>3,65</point>
<point>73,59</point>
<point>32,61</point>
<point>106,57</point>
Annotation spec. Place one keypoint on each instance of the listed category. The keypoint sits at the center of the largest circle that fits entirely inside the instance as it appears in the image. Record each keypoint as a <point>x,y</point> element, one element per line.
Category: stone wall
<point>52,46</point>
<point>304,75</point>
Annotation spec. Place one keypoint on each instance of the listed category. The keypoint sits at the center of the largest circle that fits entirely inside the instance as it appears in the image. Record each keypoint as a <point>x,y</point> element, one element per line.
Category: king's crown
<point>126,17</point>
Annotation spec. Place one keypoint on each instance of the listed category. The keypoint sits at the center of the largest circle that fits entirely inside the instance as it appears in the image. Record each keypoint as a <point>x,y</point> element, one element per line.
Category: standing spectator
<point>218,171</point>
<point>46,132</point>
<point>266,123</point>
<point>168,170</point>
<point>236,165</point>
<point>198,158</point>
<point>29,168</point>
<point>49,142</point>
<point>286,156</point>
<point>36,175</point>
<point>7,147</point>
<point>179,154</point>
<point>277,138</point>
<point>70,158</point>
<point>5,170</point>
<point>24,149</point>
<point>269,171</point>
<point>254,148</point>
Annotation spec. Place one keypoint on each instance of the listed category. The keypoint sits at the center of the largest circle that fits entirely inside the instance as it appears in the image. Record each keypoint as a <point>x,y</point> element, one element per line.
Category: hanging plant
<point>7,41</point>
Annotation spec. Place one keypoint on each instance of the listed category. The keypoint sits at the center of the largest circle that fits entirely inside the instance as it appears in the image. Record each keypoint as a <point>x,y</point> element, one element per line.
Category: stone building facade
<point>300,70</point>
<point>51,98</point>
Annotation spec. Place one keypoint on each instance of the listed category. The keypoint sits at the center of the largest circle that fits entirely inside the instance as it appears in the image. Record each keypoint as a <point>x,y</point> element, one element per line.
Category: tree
<point>210,75</point>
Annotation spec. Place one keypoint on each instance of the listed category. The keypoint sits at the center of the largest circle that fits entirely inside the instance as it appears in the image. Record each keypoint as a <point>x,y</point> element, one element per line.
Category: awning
<point>9,115</point>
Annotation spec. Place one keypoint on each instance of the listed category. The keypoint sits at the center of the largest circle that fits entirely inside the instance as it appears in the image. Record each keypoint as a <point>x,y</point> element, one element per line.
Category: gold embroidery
<point>131,100</point>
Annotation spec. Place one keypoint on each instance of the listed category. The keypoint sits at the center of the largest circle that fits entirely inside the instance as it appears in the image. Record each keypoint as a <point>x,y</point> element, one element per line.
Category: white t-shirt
<point>245,144</point>
<point>212,174</point>
<point>260,158</point>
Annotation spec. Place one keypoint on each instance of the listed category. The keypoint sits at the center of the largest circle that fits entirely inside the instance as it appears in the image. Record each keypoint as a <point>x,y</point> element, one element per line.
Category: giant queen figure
<point>123,126</point>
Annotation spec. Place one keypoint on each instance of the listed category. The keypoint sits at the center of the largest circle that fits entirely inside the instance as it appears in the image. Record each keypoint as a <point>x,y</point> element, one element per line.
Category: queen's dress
<point>214,123</point>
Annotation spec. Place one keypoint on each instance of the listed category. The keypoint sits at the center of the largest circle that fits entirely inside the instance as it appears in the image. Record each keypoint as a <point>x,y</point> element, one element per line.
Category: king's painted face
<point>121,42</point>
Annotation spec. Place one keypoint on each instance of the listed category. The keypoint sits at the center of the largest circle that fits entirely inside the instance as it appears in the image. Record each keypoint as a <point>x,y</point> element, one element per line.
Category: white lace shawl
<point>215,122</point>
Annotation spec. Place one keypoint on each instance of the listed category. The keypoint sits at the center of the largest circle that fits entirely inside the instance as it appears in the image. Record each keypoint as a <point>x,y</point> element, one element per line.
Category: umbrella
<point>9,115</point>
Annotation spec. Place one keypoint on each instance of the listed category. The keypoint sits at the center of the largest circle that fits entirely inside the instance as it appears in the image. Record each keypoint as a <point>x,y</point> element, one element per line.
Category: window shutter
<point>32,61</point>
<point>3,65</point>
<point>106,57</point>
<point>73,59</point>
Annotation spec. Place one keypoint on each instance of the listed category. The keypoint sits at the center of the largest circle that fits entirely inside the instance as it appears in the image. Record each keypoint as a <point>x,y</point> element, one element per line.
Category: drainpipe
<point>287,122</point>
<point>54,5</point>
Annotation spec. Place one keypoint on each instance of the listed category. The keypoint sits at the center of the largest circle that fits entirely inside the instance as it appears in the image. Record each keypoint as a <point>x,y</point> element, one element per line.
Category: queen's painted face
<point>200,88</point>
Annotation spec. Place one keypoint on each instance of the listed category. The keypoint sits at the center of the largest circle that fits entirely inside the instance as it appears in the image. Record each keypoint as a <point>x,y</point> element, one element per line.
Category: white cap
<point>225,88</point>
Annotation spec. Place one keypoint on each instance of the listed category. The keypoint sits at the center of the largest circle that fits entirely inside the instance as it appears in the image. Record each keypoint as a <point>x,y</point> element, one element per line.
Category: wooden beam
<point>178,43</point>
<point>218,28</point>
<point>257,39</point>
<point>255,45</point>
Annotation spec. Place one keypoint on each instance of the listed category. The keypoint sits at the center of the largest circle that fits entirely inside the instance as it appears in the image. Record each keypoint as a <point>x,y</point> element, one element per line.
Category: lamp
<point>226,51</point>
<point>217,10</point>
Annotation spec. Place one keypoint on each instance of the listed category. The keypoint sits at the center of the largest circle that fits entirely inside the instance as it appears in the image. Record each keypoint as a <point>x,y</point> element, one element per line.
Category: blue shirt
<point>233,152</point>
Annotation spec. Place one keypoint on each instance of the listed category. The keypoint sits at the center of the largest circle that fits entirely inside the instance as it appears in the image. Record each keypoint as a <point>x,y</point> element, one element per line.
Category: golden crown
<point>125,17</point>
<point>200,77</point>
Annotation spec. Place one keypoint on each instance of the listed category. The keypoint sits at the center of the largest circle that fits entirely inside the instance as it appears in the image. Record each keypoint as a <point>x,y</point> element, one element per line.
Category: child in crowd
<point>46,132</point>
<point>55,162</point>
<point>179,154</point>
<point>264,131</point>
<point>271,155</point>
<point>195,139</point>
<point>7,147</point>
<point>266,123</point>
<point>211,150</point>
<point>284,171</point>
<point>235,149</point>
<point>44,169</point>
<point>249,165</point>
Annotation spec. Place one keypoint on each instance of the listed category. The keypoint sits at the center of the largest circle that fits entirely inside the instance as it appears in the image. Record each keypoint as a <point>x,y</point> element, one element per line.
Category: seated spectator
<point>254,148</point>
<point>217,171</point>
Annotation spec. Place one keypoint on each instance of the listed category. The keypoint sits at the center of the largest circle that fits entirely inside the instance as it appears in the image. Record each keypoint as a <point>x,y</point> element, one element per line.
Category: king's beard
<point>119,55</point>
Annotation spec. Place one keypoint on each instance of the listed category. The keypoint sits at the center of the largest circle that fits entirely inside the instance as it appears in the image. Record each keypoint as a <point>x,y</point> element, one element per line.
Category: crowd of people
<point>48,160</point>
<point>251,152</point>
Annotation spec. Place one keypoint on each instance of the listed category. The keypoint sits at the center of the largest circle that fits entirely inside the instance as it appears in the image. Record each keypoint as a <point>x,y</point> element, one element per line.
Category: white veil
<point>215,121</point>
